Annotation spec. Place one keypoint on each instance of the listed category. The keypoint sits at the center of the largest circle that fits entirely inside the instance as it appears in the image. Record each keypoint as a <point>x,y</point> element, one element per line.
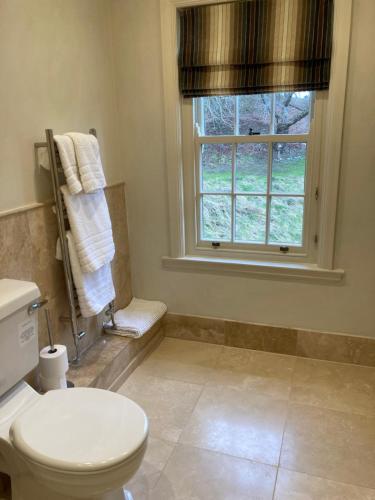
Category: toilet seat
<point>80,430</point>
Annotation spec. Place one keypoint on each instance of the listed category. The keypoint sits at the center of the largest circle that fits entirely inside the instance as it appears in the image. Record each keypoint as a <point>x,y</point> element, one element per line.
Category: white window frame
<point>330,158</point>
<point>191,185</point>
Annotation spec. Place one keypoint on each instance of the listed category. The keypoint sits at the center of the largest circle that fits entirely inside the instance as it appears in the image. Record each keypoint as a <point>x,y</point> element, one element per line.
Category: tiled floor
<point>235,424</point>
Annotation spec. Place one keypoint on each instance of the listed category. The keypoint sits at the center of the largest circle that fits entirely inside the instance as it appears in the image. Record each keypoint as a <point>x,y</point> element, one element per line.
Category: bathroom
<point>255,377</point>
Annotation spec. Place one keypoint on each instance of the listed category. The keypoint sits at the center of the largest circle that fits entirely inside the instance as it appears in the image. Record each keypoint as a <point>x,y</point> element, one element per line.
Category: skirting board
<point>309,344</point>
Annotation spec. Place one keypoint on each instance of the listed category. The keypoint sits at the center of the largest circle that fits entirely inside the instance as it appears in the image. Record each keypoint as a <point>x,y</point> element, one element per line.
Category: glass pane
<point>254,114</point>
<point>292,113</point>
<point>288,167</point>
<point>251,219</point>
<point>286,220</point>
<point>218,115</point>
<point>216,168</point>
<point>251,168</point>
<point>216,217</point>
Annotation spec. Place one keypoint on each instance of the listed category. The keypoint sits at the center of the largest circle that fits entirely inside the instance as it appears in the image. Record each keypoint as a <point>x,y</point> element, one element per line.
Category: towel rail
<point>62,223</point>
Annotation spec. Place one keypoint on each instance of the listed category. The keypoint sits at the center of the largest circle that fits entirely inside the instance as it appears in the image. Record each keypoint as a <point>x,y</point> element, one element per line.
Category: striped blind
<point>255,46</point>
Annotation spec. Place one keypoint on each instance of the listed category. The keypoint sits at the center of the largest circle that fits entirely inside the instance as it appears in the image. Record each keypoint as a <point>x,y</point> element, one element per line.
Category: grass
<point>286,216</point>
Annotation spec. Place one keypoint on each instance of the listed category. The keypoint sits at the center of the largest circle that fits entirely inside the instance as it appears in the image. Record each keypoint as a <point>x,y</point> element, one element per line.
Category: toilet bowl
<point>70,443</point>
<point>79,443</point>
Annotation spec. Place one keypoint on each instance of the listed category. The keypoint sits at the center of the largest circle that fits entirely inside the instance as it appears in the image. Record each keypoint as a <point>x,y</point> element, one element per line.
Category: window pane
<point>251,219</point>
<point>254,112</point>
<point>286,220</point>
<point>216,217</point>
<point>251,168</point>
<point>216,168</point>
<point>292,113</point>
<point>218,115</point>
<point>288,167</point>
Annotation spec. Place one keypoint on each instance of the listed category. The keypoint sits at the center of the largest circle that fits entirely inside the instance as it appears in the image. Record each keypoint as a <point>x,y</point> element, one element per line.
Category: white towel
<point>94,290</point>
<point>137,318</point>
<point>89,162</point>
<point>69,163</point>
<point>91,227</point>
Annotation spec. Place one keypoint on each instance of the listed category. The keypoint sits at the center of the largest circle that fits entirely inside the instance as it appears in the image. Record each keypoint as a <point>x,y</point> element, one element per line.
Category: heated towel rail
<point>58,179</point>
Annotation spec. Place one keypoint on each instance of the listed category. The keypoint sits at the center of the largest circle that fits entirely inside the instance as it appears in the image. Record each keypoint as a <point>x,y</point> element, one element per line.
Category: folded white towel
<point>69,163</point>
<point>89,162</point>
<point>94,290</point>
<point>91,227</point>
<point>137,318</point>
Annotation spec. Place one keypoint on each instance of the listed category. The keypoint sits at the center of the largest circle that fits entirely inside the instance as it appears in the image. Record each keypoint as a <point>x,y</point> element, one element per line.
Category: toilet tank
<point>19,352</point>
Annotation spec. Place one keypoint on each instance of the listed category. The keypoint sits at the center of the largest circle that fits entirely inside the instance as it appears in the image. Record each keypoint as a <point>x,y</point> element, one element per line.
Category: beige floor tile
<point>182,360</point>
<point>295,486</point>
<point>194,474</point>
<point>167,403</point>
<point>330,444</point>
<point>155,459</point>
<point>237,422</point>
<point>333,385</point>
<point>257,371</point>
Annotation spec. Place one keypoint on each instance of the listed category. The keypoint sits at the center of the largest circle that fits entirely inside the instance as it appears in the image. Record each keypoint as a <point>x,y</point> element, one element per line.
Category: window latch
<point>215,244</point>
<point>284,249</point>
<point>251,132</point>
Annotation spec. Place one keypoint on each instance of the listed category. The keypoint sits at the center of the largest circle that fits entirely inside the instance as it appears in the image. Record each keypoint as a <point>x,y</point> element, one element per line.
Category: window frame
<point>330,149</point>
<point>191,139</point>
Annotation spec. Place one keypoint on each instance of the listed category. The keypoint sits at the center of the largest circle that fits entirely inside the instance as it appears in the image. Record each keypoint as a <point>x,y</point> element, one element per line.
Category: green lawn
<point>251,177</point>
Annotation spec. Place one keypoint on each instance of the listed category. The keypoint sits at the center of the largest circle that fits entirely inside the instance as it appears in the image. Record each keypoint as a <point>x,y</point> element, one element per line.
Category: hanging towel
<point>94,290</point>
<point>137,318</point>
<point>67,155</point>
<point>90,167</point>
<point>91,228</point>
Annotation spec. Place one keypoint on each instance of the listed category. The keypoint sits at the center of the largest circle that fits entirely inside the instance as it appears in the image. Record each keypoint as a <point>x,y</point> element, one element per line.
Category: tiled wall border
<point>50,202</point>
<point>309,344</point>
<point>27,252</point>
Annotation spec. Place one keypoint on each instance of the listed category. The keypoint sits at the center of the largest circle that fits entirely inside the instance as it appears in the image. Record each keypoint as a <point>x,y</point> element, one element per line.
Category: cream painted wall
<point>348,307</point>
<point>56,72</point>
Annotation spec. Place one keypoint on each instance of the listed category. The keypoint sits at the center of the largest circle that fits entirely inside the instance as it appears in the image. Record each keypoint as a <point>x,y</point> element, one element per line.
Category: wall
<point>56,72</point>
<point>348,307</point>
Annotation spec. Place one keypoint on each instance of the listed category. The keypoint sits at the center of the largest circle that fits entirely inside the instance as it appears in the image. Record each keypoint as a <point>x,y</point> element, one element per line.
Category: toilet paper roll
<point>53,367</point>
<point>50,384</point>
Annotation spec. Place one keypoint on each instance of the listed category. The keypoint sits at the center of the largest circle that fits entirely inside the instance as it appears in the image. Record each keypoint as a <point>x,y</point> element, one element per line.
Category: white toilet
<point>69,443</point>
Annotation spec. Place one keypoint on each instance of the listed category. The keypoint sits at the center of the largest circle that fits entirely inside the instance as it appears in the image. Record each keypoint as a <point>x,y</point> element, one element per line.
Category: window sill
<point>258,269</point>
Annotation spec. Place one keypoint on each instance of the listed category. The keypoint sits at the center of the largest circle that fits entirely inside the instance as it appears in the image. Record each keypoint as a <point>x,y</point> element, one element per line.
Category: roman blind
<point>255,46</point>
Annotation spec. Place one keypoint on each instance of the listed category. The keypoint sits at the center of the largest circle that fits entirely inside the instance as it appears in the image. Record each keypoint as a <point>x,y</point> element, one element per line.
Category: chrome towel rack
<point>58,179</point>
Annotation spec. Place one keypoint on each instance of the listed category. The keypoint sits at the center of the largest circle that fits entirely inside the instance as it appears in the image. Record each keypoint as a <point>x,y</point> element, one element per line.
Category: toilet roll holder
<point>52,349</point>
<point>35,306</point>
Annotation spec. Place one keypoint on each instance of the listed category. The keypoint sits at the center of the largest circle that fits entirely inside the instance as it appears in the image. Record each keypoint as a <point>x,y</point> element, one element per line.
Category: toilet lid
<point>80,429</point>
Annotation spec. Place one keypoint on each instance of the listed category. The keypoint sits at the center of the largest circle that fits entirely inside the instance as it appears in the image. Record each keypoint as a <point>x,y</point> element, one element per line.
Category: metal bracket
<point>36,305</point>
<point>111,313</point>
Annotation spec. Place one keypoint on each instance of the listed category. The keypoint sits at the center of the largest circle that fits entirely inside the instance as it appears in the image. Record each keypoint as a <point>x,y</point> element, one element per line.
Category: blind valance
<point>255,46</point>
